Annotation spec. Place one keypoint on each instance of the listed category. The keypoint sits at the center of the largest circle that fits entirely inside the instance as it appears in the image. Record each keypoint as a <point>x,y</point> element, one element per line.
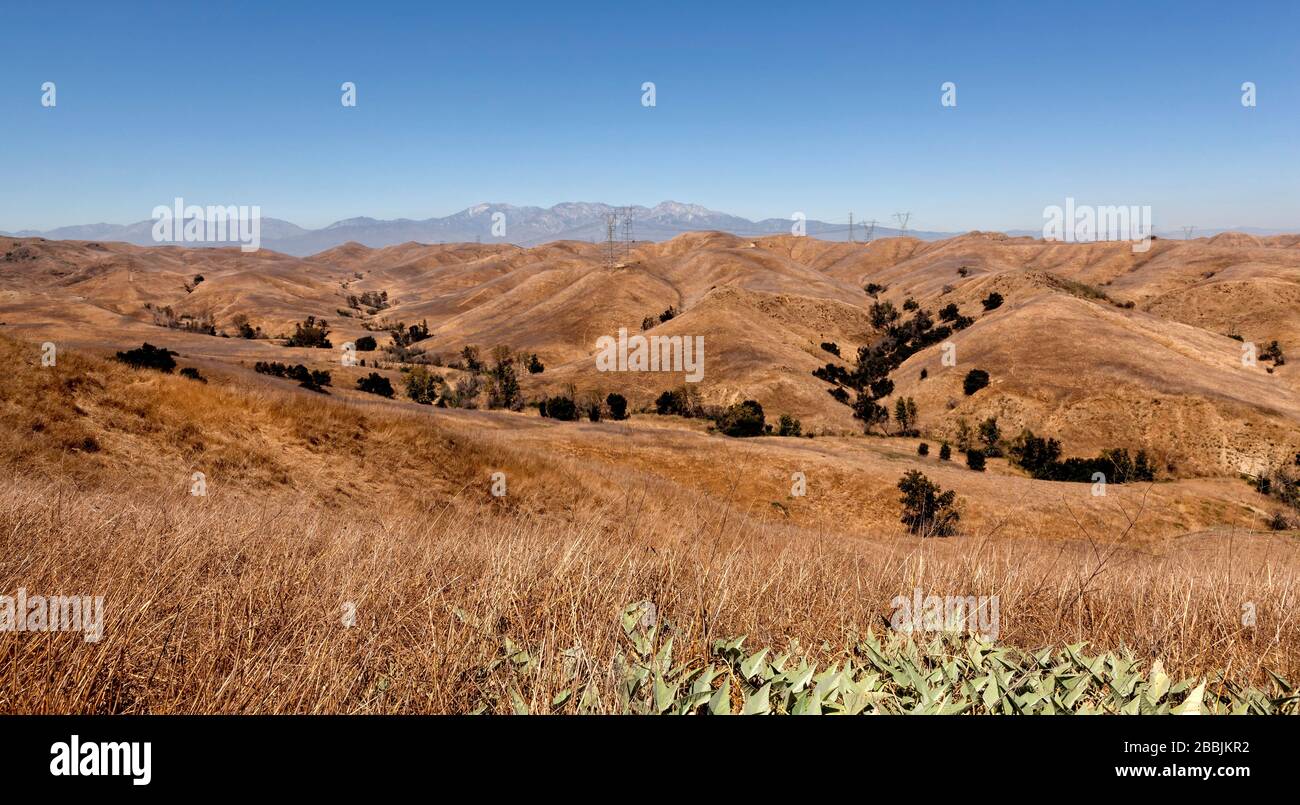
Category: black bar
<point>334,753</point>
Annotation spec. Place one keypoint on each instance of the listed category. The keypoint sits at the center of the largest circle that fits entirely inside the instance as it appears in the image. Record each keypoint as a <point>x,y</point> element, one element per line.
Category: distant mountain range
<point>524,226</point>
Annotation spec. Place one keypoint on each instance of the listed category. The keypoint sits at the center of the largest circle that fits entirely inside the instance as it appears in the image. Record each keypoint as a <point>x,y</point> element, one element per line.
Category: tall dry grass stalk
<point>235,606</point>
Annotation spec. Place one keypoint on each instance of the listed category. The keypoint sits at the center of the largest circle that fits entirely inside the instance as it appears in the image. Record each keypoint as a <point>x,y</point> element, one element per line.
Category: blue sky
<point>762,109</point>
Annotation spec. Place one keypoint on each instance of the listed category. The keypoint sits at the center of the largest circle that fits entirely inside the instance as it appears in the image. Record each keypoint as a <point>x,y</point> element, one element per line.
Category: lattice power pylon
<point>903,218</point>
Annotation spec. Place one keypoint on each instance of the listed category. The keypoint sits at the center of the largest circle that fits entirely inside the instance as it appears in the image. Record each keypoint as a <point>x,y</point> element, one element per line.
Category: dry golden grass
<point>233,602</point>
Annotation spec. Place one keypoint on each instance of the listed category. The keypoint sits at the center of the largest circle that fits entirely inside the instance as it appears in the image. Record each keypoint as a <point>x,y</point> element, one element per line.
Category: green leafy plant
<point>890,674</point>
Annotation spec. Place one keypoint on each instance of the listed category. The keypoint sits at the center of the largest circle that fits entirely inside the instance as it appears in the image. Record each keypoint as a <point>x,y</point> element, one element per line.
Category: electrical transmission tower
<point>627,233</point>
<point>903,218</point>
<point>1187,232</point>
<point>871,229</point>
<point>611,247</point>
<point>850,227</point>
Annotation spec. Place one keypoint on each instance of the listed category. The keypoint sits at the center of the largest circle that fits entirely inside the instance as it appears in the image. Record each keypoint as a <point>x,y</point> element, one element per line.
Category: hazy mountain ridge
<point>530,226</point>
<point>524,226</point>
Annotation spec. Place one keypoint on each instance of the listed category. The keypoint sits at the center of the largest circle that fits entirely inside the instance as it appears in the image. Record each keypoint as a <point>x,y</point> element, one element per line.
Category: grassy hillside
<point>235,601</point>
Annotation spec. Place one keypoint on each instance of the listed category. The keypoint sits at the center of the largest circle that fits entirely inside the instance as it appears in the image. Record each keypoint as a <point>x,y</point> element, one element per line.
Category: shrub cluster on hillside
<point>243,328</point>
<point>166,317</point>
<point>559,407</point>
<point>490,383</point>
<point>147,356</point>
<point>869,377</point>
<point>742,419</point>
<point>423,386</point>
<point>311,333</point>
<point>1041,459</point>
<point>950,313</point>
<point>403,336</point>
<point>1085,291</point>
<point>371,301</point>
<point>651,321</point>
<point>683,402</point>
<point>1282,483</point>
<point>313,379</point>
<point>375,383</point>
<point>1272,352</point>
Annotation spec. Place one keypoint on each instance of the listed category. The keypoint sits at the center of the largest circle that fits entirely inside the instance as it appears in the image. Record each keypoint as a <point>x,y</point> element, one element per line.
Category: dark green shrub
<point>991,437</point>
<point>561,408</point>
<point>870,412</point>
<point>905,416</point>
<point>975,460</point>
<point>147,356</point>
<point>502,383</point>
<point>1040,457</point>
<point>927,510</point>
<point>310,333</point>
<point>883,314</point>
<point>743,419</point>
<point>375,383</point>
<point>617,406</point>
<point>470,359</point>
<point>672,403</point>
<point>976,379</point>
<point>422,385</point>
<point>404,336</point>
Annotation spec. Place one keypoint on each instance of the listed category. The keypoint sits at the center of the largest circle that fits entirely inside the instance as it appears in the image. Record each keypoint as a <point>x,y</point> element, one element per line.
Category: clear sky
<point>762,109</point>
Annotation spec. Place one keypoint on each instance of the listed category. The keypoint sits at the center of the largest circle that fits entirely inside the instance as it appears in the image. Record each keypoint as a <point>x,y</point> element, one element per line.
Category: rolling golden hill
<point>1093,344</point>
